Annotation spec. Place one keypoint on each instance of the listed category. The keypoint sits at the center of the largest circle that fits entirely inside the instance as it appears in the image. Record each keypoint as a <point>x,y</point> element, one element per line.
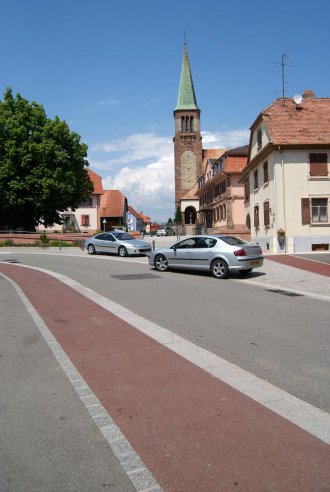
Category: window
<point>247,190</point>
<point>256,216</point>
<point>85,220</point>
<point>266,214</point>
<point>319,210</point>
<point>259,139</point>
<point>187,124</point>
<point>255,180</point>
<point>318,164</point>
<point>187,244</point>
<point>265,167</point>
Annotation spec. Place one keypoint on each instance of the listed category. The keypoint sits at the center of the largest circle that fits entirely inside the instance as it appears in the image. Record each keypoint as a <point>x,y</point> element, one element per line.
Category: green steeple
<point>186,97</point>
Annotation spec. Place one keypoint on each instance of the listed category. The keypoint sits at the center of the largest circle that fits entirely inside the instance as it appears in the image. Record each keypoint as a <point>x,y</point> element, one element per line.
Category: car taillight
<point>240,252</point>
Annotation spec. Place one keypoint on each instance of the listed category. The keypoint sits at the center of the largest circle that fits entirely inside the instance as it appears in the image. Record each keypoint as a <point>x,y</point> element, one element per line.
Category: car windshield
<point>232,240</point>
<point>122,236</point>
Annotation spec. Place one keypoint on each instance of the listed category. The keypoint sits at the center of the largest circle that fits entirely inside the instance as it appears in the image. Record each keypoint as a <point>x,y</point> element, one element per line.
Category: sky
<point>111,70</point>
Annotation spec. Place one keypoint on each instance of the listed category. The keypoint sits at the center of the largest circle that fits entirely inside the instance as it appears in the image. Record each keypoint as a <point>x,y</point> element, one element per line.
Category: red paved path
<point>194,432</point>
<point>302,263</point>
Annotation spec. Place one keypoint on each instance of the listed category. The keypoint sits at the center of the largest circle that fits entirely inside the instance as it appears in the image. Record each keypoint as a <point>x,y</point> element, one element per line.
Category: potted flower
<point>281,237</point>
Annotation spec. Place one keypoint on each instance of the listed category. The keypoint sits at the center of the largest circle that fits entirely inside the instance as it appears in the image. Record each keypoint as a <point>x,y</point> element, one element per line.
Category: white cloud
<point>147,179</point>
<point>228,139</point>
<point>135,147</point>
<point>149,188</point>
<point>102,104</point>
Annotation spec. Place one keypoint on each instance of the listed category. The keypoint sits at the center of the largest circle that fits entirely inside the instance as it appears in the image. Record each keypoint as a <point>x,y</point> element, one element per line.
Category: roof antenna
<point>185,38</point>
<point>283,66</point>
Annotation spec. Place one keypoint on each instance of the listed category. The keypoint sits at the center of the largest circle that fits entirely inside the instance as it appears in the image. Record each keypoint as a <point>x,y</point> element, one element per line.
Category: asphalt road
<point>282,339</point>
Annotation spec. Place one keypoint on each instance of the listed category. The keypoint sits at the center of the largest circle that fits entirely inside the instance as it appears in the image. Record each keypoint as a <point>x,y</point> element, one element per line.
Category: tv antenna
<point>283,72</point>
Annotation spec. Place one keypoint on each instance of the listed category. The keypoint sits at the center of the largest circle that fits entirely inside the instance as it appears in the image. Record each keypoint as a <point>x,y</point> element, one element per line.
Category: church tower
<point>187,140</point>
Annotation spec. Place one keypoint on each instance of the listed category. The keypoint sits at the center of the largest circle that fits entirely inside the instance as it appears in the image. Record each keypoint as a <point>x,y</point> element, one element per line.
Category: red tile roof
<point>96,180</point>
<point>134,212</point>
<point>145,218</point>
<point>112,204</point>
<point>213,153</point>
<point>306,124</point>
<point>210,154</point>
<point>235,164</point>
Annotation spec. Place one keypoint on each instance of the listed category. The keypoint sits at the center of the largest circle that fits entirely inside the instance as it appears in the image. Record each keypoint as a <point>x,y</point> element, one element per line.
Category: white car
<point>166,231</point>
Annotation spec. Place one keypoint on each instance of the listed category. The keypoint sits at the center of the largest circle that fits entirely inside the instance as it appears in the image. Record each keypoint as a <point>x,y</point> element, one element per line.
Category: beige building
<point>287,185</point>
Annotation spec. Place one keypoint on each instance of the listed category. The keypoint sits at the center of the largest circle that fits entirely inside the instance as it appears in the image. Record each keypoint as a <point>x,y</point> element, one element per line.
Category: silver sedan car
<point>218,254</point>
<point>117,242</point>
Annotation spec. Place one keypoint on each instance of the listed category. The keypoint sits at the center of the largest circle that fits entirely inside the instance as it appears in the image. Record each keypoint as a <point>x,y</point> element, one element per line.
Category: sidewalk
<point>294,274</point>
<point>192,431</point>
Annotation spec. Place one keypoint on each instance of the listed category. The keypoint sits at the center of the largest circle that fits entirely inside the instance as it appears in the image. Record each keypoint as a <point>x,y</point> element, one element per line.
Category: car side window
<point>187,244</point>
<point>211,242</point>
<point>202,243</point>
<point>100,236</point>
<point>109,237</point>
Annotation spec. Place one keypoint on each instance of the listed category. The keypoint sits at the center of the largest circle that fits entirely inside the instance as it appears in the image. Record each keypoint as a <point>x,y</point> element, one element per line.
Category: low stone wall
<point>31,238</point>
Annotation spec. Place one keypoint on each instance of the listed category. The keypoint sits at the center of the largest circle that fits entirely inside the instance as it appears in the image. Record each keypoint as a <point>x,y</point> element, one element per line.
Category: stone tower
<point>187,139</point>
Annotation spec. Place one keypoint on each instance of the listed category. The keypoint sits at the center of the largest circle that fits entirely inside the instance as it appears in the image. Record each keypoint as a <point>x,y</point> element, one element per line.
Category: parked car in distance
<point>166,231</point>
<point>217,253</point>
<point>117,242</point>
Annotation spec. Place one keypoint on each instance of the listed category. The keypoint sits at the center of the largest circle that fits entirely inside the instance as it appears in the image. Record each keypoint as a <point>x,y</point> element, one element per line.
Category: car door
<point>104,243</point>
<point>202,253</point>
<point>110,244</point>
<point>99,242</point>
<point>180,255</point>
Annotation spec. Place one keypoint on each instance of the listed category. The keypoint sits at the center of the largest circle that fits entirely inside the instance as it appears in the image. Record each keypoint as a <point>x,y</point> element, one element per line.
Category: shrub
<point>6,242</point>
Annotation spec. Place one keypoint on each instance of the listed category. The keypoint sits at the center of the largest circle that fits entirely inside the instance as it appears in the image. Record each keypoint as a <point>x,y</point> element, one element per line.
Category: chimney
<point>308,94</point>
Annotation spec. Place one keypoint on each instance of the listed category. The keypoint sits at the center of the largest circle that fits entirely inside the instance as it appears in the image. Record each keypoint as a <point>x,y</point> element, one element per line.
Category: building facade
<point>221,193</point>
<point>287,185</point>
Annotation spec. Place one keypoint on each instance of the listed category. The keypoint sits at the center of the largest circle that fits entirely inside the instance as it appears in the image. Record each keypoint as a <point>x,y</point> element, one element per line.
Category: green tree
<point>170,221</point>
<point>178,216</point>
<point>42,165</point>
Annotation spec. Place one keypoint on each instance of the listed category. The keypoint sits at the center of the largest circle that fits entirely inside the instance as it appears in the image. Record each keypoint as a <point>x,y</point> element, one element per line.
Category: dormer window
<point>259,139</point>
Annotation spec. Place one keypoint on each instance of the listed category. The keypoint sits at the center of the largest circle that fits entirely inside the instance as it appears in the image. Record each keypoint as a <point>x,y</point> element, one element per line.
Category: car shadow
<point>205,273</point>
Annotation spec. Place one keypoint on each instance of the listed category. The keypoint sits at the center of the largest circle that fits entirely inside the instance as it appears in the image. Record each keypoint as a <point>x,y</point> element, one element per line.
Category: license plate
<point>255,263</point>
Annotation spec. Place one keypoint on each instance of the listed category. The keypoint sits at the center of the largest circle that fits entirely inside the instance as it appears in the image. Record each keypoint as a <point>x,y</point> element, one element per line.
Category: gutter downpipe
<point>283,188</point>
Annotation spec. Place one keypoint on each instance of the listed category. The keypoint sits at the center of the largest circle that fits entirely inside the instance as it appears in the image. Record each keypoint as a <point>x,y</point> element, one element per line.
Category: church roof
<point>186,98</point>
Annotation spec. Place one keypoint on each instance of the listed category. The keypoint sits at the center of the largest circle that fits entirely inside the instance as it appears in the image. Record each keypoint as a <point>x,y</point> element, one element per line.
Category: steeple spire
<point>186,97</point>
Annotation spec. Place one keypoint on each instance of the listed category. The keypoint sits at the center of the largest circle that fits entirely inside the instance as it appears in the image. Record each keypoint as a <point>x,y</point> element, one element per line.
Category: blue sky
<point>111,69</point>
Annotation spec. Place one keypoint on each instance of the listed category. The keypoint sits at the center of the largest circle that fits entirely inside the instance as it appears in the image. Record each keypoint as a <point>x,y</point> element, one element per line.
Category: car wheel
<point>91,249</point>
<point>244,272</point>
<point>161,263</point>
<point>122,251</point>
<point>219,269</point>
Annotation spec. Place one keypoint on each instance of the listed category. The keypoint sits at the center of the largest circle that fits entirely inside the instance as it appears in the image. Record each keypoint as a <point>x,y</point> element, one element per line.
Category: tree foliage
<point>42,165</point>
<point>178,216</point>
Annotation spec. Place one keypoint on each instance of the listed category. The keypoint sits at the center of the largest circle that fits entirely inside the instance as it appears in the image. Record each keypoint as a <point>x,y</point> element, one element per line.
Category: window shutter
<point>318,164</point>
<point>266,213</point>
<point>256,216</point>
<point>305,211</point>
